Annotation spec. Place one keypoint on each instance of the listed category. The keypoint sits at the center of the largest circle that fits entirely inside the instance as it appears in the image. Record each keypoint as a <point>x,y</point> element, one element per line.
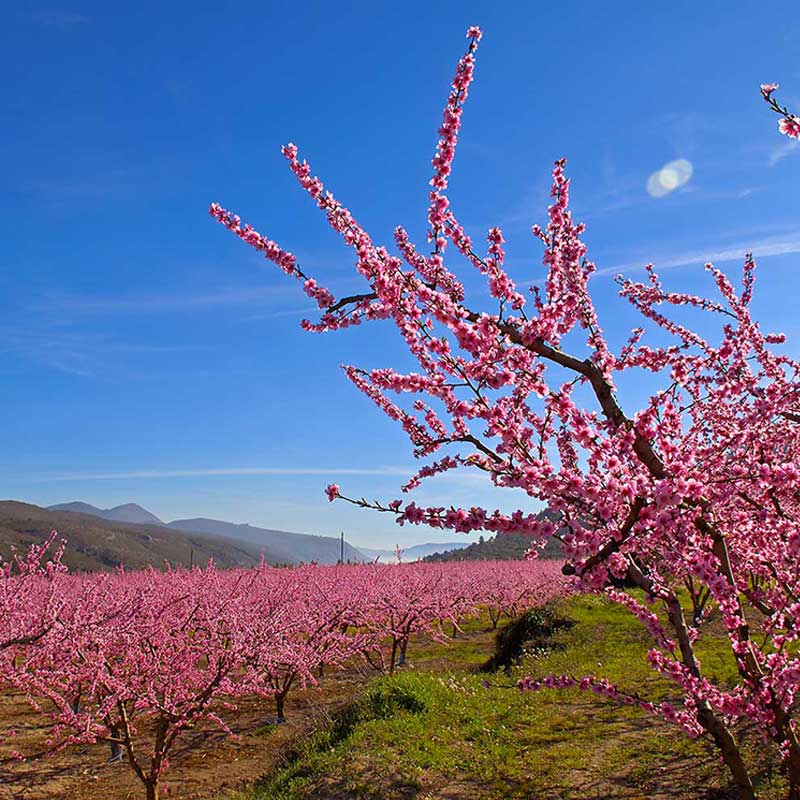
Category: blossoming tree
<point>29,596</point>
<point>693,498</point>
<point>137,660</point>
<point>307,627</point>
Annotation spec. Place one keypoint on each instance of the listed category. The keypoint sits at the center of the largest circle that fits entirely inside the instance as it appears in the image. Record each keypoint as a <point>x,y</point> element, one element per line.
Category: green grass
<point>428,733</point>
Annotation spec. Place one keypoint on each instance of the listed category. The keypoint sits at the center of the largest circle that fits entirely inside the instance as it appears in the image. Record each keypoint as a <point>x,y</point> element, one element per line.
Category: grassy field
<point>435,730</point>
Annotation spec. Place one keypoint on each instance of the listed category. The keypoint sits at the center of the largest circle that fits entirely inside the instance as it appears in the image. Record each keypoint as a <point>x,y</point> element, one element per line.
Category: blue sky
<point>149,356</point>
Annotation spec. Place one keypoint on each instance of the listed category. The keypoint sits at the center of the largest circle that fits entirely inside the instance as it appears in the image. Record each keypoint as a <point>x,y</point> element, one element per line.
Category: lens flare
<point>669,178</point>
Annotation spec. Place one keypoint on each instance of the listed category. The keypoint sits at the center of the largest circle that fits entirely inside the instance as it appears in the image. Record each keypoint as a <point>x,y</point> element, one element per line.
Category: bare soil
<point>204,764</point>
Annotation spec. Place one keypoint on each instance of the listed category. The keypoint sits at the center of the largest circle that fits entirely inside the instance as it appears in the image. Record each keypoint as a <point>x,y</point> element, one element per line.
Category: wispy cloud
<point>59,18</point>
<point>782,150</point>
<point>685,131</point>
<point>77,352</point>
<point>222,472</point>
<point>761,248</point>
<point>286,312</point>
<point>169,301</point>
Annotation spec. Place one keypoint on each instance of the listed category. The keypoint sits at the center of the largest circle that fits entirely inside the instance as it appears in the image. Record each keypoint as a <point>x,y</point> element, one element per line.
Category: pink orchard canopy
<point>105,657</point>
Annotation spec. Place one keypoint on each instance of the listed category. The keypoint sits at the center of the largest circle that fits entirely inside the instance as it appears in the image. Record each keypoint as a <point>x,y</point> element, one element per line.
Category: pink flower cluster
<point>30,600</point>
<point>788,124</point>
<point>694,499</point>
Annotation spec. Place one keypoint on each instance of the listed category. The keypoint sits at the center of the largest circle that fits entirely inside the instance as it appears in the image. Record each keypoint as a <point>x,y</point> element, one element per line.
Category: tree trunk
<point>280,699</point>
<point>152,789</point>
<point>116,752</point>
<point>402,659</point>
<point>793,771</point>
<point>394,655</point>
<point>730,752</point>
<point>705,714</point>
<point>116,748</point>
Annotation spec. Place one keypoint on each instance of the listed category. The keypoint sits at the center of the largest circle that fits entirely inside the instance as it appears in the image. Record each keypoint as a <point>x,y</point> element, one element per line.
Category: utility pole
<point>341,548</point>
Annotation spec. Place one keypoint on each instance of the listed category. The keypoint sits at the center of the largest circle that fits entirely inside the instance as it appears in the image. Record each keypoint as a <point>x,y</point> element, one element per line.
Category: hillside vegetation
<point>96,544</point>
<point>497,548</point>
<point>284,547</point>
<point>503,546</point>
<point>279,547</point>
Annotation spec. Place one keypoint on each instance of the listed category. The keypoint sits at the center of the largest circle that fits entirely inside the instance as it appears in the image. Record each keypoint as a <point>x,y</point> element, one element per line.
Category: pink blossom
<point>693,497</point>
<point>790,126</point>
<point>767,89</point>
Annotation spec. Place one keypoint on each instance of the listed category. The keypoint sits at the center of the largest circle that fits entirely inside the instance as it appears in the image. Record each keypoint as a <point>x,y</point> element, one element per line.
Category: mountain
<point>97,544</point>
<point>280,547</point>
<point>413,553</point>
<point>129,512</point>
<point>285,547</point>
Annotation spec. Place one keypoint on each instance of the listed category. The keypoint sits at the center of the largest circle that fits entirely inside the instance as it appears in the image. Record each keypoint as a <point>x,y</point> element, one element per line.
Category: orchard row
<point>110,657</point>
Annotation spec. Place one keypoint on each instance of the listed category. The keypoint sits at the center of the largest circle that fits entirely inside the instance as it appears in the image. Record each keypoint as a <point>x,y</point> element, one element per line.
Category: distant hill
<point>280,547</point>
<point>502,546</point>
<point>96,544</point>
<point>413,553</point>
<point>130,512</point>
<point>285,547</point>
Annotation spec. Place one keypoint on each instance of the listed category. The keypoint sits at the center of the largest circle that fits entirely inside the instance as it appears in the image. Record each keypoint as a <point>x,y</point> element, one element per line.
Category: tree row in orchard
<point>134,659</point>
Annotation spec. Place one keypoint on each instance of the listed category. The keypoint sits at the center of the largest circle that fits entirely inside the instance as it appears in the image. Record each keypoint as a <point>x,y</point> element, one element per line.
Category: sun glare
<point>669,178</point>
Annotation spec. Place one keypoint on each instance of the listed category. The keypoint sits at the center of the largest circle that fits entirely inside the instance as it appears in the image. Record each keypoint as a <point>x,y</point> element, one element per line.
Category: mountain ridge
<point>95,544</point>
<point>293,547</point>
<point>127,512</point>
<point>280,547</point>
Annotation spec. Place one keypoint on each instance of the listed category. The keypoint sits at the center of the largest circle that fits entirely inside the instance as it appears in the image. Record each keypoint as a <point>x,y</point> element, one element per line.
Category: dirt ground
<point>205,762</point>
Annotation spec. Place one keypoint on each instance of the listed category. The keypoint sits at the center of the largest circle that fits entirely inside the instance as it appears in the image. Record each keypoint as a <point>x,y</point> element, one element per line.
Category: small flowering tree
<point>29,594</point>
<point>696,495</point>
<point>136,660</point>
<point>508,588</point>
<point>411,599</point>
<point>304,626</point>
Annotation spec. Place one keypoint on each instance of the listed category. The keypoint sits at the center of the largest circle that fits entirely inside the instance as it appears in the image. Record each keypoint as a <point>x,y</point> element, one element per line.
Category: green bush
<point>530,634</point>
